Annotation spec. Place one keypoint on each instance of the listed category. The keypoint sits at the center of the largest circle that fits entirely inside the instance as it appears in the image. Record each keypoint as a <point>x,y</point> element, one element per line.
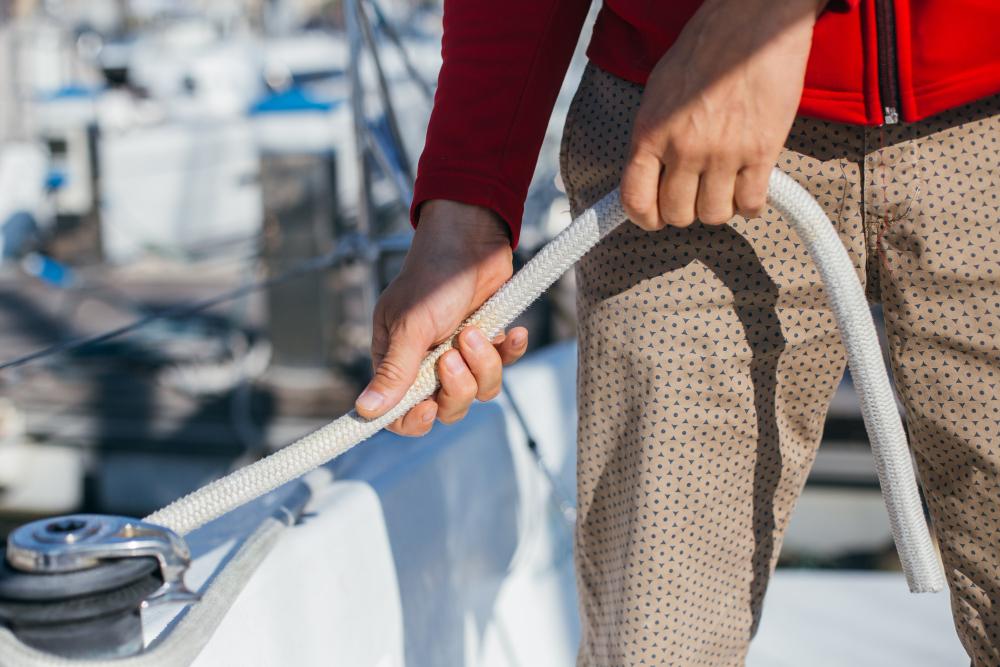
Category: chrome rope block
<point>75,585</point>
<point>82,541</point>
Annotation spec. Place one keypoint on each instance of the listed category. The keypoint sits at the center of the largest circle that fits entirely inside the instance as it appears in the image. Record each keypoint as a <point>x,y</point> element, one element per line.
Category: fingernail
<point>370,400</point>
<point>454,363</point>
<point>518,339</point>
<point>475,339</point>
<point>429,415</point>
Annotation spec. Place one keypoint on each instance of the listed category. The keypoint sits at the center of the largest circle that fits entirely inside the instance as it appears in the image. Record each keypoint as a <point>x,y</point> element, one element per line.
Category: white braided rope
<point>218,497</point>
<point>857,330</point>
<point>849,305</point>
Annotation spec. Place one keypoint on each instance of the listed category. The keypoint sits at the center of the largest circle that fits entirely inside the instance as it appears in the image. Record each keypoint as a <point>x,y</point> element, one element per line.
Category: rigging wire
<point>350,248</point>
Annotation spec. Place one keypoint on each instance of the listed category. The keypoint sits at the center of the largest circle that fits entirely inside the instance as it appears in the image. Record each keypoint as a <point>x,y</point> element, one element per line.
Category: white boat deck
<point>827,618</point>
<point>454,550</point>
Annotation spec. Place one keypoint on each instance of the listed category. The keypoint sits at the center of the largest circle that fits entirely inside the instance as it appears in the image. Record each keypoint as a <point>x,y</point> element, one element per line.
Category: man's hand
<point>459,257</point>
<point>716,111</point>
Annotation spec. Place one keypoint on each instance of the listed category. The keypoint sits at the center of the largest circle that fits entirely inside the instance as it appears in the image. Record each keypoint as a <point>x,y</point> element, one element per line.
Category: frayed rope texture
<point>850,309</point>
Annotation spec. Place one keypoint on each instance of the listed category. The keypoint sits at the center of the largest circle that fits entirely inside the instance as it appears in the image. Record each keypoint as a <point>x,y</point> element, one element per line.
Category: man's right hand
<point>459,257</point>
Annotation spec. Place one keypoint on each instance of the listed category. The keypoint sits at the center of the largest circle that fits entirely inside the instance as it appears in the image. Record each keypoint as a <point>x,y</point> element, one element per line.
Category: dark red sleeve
<point>504,61</point>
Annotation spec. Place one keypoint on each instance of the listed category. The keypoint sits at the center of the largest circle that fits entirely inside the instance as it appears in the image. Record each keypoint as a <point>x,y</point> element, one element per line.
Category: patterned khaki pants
<point>708,358</point>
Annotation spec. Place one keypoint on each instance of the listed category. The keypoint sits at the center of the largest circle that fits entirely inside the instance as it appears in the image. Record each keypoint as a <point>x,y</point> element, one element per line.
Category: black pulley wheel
<point>85,614</point>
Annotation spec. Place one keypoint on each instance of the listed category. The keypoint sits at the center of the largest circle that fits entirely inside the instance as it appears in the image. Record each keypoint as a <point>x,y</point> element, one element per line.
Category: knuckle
<point>379,313</point>
<point>644,126</point>
<point>488,394</point>
<point>390,372</point>
<point>677,216</point>
<point>716,217</point>
<point>516,353</point>
<point>485,359</point>
<point>716,150</point>
<point>469,387</point>
<point>420,429</point>
<point>454,417</point>
<point>684,148</point>
<point>511,356</point>
<point>755,201</point>
<point>492,362</point>
<point>751,202</point>
<point>681,221</point>
<point>759,149</point>
<point>637,204</point>
<point>757,154</point>
<point>380,340</point>
<point>460,389</point>
<point>650,226</point>
<point>452,366</point>
<point>751,210</point>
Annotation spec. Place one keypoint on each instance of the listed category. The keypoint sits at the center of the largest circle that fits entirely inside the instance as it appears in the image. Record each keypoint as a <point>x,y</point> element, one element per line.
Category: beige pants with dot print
<point>708,358</point>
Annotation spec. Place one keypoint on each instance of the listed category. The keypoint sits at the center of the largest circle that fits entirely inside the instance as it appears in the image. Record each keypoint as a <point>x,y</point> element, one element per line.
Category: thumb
<point>395,373</point>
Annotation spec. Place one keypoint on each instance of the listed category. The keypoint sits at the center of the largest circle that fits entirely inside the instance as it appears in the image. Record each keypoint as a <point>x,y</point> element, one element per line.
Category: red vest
<point>918,57</point>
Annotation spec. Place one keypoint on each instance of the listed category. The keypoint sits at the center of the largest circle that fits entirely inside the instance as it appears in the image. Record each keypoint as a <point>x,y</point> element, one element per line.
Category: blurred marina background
<point>154,153</point>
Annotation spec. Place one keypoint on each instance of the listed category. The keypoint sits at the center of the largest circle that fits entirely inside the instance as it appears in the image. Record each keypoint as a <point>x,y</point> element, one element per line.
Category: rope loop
<point>847,299</point>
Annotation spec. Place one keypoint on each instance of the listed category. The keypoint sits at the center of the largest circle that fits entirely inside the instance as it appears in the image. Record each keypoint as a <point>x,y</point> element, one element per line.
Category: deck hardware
<point>82,541</point>
<point>74,585</point>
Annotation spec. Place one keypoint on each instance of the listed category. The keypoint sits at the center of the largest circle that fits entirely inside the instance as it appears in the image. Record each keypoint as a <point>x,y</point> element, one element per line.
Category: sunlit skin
<point>715,113</point>
<point>459,257</point>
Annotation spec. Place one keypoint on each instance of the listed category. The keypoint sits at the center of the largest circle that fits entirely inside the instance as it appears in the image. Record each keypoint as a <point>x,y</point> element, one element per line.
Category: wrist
<point>783,12</point>
<point>455,236</point>
<point>473,227</point>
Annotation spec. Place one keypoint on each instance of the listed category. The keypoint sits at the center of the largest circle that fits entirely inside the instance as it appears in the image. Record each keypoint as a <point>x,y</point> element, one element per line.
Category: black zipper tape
<point>888,74</point>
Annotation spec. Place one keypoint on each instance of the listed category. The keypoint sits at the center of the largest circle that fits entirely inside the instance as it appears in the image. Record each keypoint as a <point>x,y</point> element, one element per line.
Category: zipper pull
<point>890,116</point>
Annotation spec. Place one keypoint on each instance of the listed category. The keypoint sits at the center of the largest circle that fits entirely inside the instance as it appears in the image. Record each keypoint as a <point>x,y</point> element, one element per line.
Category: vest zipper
<point>888,76</point>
